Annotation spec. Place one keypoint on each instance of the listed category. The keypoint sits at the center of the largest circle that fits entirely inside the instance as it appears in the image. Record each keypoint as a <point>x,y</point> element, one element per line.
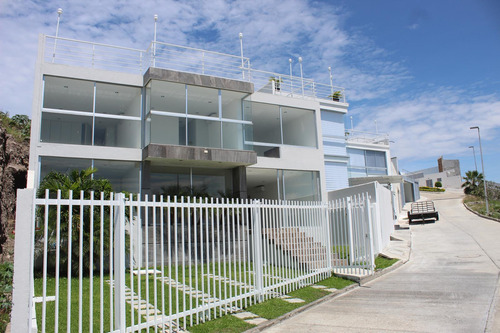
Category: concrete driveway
<point>449,284</point>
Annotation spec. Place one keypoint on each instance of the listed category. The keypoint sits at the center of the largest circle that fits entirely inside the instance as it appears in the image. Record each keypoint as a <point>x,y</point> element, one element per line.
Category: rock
<point>14,157</point>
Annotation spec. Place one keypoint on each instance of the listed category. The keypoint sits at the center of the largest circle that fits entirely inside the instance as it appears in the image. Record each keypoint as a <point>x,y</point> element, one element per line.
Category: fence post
<point>22,298</point>
<point>328,234</point>
<point>257,250</point>
<point>349,222</point>
<point>119,263</point>
<point>370,230</point>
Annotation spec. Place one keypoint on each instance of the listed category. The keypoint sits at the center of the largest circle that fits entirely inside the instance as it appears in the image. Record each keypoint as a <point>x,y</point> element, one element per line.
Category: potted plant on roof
<point>277,82</point>
<point>336,96</point>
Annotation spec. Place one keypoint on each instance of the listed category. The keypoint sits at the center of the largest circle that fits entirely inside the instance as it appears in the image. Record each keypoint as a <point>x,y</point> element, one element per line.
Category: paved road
<point>449,284</point>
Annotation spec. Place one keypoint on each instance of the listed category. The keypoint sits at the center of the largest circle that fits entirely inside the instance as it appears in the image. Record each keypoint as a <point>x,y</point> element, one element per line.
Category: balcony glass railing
<point>180,58</point>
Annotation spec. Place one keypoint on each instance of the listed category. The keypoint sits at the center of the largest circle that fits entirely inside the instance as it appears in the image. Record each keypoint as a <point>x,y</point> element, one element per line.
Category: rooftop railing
<point>367,137</point>
<point>186,59</point>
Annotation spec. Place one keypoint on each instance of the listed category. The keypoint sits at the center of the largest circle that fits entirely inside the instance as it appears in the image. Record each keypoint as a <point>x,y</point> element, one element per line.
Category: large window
<point>364,163</point>
<point>190,181</point>
<point>123,175</point>
<point>181,114</point>
<point>89,113</point>
<point>278,184</point>
<point>68,94</point>
<point>274,125</point>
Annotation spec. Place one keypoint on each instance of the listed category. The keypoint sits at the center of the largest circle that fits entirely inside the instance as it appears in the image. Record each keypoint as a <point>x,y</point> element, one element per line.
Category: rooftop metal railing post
<point>331,79</point>
<point>291,77</point>
<point>154,42</point>
<point>301,76</point>
<point>59,12</point>
<point>242,59</point>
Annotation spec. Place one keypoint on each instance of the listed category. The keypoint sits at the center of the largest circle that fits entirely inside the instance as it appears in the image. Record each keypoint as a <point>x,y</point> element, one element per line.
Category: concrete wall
<point>382,211</point>
<point>446,180</point>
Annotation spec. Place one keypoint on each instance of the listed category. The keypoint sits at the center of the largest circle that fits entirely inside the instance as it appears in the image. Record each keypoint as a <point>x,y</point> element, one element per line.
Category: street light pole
<point>474,153</point>
<point>482,165</point>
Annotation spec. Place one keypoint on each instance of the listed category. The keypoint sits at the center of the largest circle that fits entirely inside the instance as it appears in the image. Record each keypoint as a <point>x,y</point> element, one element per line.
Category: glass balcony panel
<point>117,133</point>
<point>204,133</point>
<point>118,100</point>
<point>203,101</point>
<point>247,110</point>
<point>233,136</point>
<point>66,128</point>
<point>167,130</point>
<point>68,94</point>
<point>299,127</point>
<point>167,96</point>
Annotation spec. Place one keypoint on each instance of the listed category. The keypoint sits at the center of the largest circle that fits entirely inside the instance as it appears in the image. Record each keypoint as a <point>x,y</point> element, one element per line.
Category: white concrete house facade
<point>154,127</point>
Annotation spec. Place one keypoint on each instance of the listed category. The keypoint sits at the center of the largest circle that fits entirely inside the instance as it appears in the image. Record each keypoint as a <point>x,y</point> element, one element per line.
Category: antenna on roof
<point>59,12</point>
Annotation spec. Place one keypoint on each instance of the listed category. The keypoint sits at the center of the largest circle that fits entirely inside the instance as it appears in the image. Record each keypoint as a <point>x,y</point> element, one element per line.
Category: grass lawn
<point>382,262</point>
<point>272,308</point>
<point>171,300</point>
<point>478,205</point>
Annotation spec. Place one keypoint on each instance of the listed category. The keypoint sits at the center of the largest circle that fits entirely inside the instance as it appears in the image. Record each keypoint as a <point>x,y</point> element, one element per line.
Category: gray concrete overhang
<point>161,74</point>
<point>381,179</point>
<point>198,156</point>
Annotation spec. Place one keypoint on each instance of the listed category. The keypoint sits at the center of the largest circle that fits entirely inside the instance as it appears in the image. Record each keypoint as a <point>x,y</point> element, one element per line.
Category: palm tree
<point>473,180</point>
<point>71,224</point>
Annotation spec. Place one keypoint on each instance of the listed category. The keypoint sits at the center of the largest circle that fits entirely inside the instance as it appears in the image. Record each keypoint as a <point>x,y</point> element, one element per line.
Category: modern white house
<point>447,173</point>
<point>171,119</point>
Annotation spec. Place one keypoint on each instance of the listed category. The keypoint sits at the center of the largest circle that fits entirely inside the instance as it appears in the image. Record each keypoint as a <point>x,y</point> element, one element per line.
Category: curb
<point>480,215</point>
<point>295,312</point>
<point>325,298</point>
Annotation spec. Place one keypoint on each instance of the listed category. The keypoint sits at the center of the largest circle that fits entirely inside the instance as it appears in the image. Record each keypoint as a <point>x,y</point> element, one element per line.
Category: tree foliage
<point>473,183</point>
<point>19,125</point>
<point>73,221</point>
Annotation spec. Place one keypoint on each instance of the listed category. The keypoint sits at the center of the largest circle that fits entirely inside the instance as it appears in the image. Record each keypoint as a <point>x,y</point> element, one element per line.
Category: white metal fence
<point>116,263</point>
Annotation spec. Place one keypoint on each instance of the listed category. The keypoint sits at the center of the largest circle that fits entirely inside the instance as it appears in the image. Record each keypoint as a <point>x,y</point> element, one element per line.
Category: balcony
<point>174,57</point>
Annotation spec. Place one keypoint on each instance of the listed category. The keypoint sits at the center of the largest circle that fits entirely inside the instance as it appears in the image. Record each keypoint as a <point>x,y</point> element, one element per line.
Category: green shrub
<point>6,275</point>
<point>431,189</point>
<point>438,184</point>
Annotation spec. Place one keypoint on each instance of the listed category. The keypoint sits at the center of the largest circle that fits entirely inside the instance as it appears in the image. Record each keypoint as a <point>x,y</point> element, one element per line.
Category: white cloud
<point>273,32</point>
<point>435,122</point>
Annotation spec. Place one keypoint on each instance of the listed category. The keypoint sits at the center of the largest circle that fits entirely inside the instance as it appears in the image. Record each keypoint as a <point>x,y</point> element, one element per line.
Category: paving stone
<point>331,290</point>
<point>294,300</point>
<point>256,321</point>
<point>245,315</point>
<point>318,286</point>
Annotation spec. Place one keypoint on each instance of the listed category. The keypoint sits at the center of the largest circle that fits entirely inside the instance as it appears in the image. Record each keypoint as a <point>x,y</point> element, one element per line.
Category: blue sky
<point>424,70</point>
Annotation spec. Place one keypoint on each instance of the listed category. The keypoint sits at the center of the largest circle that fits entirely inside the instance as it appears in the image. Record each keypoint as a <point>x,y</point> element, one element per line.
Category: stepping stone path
<point>146,310</point>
